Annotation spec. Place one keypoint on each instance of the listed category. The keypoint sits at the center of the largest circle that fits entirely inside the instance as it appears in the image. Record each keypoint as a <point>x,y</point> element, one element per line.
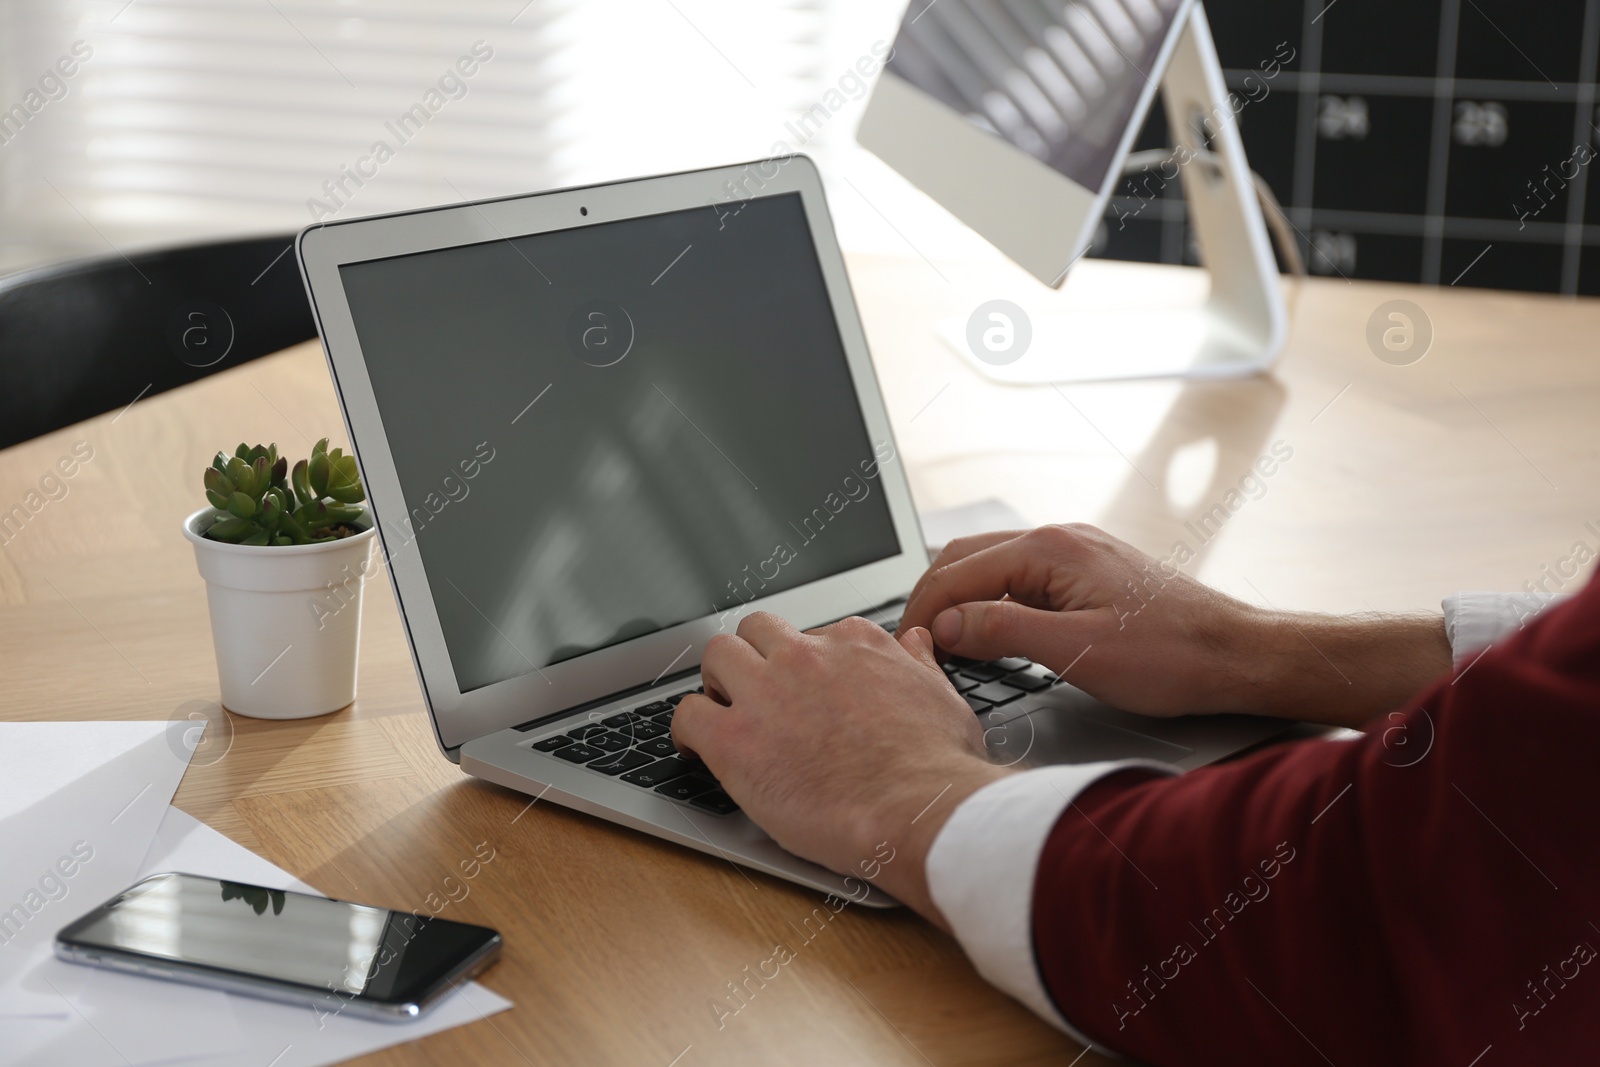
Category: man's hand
<point>1139,637</point>
<point>1150,639</point>
<point>846,743</point>
<point>837,742</point>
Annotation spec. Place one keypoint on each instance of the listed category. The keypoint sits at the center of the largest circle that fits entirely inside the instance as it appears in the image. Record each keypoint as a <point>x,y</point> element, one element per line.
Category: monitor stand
<point>1237,329</point>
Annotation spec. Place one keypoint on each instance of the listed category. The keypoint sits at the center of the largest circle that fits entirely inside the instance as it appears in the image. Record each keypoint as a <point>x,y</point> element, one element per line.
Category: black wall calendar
<point>1436,141</point>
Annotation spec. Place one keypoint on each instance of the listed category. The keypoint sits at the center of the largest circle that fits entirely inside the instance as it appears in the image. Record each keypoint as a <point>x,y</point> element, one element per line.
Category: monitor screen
<point>1059,79</point>
<point>605,431</point>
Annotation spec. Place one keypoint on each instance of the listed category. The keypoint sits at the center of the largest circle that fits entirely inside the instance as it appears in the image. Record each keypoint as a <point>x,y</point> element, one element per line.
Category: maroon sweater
<point>1428,894</point>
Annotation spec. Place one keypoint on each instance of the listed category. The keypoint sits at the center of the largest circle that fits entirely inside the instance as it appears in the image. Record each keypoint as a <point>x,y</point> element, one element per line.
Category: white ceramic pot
<point>285,620</point>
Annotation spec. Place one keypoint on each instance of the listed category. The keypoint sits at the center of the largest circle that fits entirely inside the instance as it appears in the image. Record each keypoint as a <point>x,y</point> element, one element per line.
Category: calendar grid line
<point>1305,154</point>
<point>1553,234</point>
<point>1439,147</point>
<point>1582,124</point>
<point>1414,85</point>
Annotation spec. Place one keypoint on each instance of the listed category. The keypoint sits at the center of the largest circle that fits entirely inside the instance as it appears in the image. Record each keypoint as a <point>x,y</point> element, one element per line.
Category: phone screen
<point>331,946</point>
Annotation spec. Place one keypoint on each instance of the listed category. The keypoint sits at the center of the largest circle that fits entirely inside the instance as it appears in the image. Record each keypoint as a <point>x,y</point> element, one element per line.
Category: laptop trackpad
<point>1048,735</point>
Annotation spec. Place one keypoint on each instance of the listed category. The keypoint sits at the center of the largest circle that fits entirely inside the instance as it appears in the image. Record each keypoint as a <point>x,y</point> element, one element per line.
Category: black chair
<point>82,338</point>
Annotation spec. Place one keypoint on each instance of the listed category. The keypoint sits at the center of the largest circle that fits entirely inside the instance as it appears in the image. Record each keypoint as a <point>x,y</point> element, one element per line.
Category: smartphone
<point>333,955</point>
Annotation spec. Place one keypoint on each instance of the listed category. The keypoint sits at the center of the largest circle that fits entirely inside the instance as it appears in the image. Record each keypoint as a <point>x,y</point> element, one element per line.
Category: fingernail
<point>922,638</point>
<point>947,628</point>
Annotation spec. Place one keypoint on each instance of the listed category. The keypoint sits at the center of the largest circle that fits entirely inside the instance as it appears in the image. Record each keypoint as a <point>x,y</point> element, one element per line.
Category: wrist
<point>909,821</point>
<point>1263,660</point>
<point>1339,670</point>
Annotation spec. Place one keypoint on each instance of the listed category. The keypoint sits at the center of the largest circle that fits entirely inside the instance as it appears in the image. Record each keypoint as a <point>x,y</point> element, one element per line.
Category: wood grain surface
<point>1476,467</point>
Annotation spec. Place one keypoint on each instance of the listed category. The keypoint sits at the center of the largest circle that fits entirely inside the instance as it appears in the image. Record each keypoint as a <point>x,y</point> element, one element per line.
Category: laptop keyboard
<point>989,685</point>
<point>635,746</point>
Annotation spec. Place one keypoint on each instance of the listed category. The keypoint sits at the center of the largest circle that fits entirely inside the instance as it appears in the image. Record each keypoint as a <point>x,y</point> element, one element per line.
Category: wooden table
<point>1473,468</point>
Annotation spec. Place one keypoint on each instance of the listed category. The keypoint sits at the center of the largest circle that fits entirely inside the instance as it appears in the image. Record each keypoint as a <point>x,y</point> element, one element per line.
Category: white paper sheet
<point>104,788</point>
<point>298,1037</point>
<point>79,805</point>
<point>123,1023</point>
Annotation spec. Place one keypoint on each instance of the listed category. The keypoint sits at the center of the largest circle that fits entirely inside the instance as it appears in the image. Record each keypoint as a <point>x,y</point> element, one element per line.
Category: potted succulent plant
<point>270,547</point>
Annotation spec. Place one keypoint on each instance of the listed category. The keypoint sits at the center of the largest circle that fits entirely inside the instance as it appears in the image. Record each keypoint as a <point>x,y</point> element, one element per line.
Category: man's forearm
<point>1341,670</point>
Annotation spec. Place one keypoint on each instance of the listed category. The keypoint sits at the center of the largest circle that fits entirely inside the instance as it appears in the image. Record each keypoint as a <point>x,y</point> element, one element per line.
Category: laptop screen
<point>605,431</point>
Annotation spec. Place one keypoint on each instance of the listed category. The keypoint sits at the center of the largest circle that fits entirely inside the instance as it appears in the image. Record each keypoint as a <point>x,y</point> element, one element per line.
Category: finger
<point>959,549</point>
<point>962,547</point>
<point>765,632</point>
<point>991,629</point>
<point>919,643</point>
<point>1019,568</point>
<point>855,628</point>
<point>729,666</point>
<point>700,726</point>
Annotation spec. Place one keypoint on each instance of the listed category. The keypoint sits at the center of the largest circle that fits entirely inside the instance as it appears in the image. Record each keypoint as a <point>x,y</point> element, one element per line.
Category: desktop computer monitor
<point>1018,116</point>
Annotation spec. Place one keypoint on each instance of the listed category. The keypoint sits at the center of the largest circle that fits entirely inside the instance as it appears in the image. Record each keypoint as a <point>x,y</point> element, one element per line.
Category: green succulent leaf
<point>241,476</point>
<point>302,483</point>
<point>317,473</point>
<point>218,501</point>
<point>260,538</point>
<point>217,482</point>
<point>291,526</point>
<point>242,506</point>
<point>229,528</point>
<point>344,481</point>
<point>341,513</point>
<point>313,515</point>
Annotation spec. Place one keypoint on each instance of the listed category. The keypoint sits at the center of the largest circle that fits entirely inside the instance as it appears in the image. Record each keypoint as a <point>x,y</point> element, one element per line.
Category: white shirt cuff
<point>981,871</point>
<point>1473,621</point>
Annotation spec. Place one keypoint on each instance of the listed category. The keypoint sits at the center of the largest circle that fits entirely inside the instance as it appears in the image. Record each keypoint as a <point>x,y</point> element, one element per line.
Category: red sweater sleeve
<point>1418,896</point>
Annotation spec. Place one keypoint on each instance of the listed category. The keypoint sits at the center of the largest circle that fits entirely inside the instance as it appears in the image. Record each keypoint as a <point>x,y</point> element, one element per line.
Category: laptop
<point>597,427</point>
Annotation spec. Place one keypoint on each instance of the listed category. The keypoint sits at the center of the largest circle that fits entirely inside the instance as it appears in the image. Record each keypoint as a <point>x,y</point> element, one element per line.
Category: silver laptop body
<point>598,426</point>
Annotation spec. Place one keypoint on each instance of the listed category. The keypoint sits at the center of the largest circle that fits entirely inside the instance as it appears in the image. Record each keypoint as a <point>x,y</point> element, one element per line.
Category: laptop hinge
<point>609,698</point>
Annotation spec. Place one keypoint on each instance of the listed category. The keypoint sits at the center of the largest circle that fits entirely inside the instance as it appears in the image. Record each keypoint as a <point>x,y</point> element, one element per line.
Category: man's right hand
<point>1150,639</point>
